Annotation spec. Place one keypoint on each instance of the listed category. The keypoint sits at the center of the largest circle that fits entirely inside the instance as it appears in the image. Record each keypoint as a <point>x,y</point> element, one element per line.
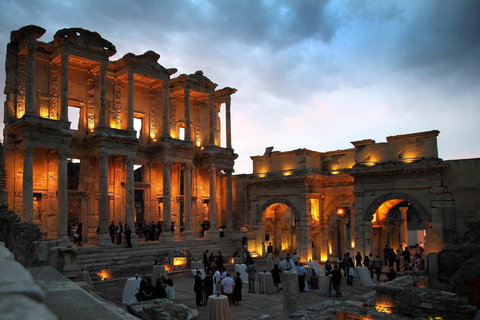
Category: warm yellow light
<point>324,256</point>
<point>315,209</point>
<point>153,136</point>
<point>168,268</point>
<point>44,112</point>
<point>384,309</point>
<point>369,163</point>
<point>353,244</point>
<point>288,173</point>
<point>179,262</point>
<point>329,249</point>
<point>113,123</point>
<point>374,219</point>
<point>20,113</point>
<point>254,254</point>
<point>262,175</point>
<point>340,212</point>
<point>232,261</point>
<point>104,274</point>
<point>335,172</point>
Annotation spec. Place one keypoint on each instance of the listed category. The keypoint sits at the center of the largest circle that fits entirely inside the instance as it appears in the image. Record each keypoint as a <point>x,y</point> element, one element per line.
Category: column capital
<point>166,163</point>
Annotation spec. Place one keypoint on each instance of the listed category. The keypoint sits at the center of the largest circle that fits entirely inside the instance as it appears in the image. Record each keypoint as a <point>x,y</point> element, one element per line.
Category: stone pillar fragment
<point>229,201</point>
<point>62,199</point>
<point>403,231</point>
<point>166,234</point>
<point>64,87</point>
<point>188,201</point>
<point>130,100</point>
<point>188,134</point>
<point>30,87</point>
<point>130,192</point>
<point>212,121</point>
<point>228,124</point>
<point>103,94</point>
<point>166,112</point>
<point>342,228</point>
<point>27,184</point>
<point>290,292</point>
<point>103,203</point>
<point>213,202</point>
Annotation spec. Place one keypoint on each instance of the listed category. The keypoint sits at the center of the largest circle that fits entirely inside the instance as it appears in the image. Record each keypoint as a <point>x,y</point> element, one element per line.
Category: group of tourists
<point>148,291</point>
<point>116,232</point>
<point>217,281</point>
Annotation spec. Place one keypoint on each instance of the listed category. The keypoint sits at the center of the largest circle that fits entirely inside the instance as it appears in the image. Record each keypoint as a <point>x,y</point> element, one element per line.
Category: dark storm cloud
<point>443,39</point>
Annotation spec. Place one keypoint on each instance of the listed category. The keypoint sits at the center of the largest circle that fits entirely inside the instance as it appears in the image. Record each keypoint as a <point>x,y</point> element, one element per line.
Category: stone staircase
<point>123,262</point>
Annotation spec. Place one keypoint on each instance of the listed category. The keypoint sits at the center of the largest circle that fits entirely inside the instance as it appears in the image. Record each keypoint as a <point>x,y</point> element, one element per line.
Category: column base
<point>104,240</point>
<point>166,236</point>
<point>134,239</point>
<point>190,235</point>
<point>209,234</point>
<point>63,241</point>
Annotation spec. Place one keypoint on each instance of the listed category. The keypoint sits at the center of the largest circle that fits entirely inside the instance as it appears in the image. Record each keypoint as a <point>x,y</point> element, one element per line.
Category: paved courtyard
<point>251,305</point>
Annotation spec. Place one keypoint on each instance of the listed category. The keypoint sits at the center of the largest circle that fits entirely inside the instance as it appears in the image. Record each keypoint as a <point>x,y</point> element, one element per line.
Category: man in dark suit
<point>198,288</point>
<point>206,264</point>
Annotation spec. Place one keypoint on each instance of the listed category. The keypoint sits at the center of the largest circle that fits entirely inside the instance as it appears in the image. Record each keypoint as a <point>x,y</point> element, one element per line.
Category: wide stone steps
<point>119,259</point>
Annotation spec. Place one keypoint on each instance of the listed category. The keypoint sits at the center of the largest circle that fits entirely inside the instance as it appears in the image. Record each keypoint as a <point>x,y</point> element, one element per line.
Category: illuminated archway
<point>397,220</point>
<point>279,220</point>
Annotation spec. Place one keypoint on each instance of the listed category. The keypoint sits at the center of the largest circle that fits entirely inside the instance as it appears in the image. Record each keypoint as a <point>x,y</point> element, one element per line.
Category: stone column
<point>27,184</point>
<point>64,87</point>
<point>103,94</point>
<point>103,237</point>
<point>290,292</point>
<point>62,199</point>
<point>166,112</point>
<point>342,229</point>
<point>130,101</point>
<point>188,134</point>
<point>228,124</point>
<point>187,185</point>
<point>229,201</point>
<point>212,120</point>
<point>403,227</point>
<point>213,202</point>
<point>30,86</point>
<point>166,234</point>
<point>130,193</point>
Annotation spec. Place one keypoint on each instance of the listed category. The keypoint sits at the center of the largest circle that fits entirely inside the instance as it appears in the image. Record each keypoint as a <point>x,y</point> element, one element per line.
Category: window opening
<point>181,133</point>
<point>74,117</point>
<point>137,125</point>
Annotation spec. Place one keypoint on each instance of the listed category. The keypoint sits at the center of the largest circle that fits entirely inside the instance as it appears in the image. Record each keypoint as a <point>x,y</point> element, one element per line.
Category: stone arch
<point>372,208</point>
<point>282,201</point>
<point>337,202</point>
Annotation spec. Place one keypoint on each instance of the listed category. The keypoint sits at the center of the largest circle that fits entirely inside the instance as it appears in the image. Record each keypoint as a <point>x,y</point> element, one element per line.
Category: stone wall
<point>20,297</point>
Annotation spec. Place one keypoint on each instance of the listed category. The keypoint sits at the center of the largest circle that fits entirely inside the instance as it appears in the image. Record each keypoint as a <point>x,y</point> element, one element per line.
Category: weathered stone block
<point>426,305</point>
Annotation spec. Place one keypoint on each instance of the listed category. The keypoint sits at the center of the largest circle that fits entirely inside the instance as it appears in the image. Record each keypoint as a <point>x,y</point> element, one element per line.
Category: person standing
<point>366,261</point>
<point>377,265</point>
<point>118,232</point>
<point>219,261</point>
<point>270,260</point>
<point>228,286</point>
<point>198,288</point>
<point>128,236</point>
<point>79,233</point>
<point>276,276</point>
<point>251,270</point>
<point>206,264</point>
<point>237,292</point>
<point>208,286</point>
<point>336,281</point>
<point>301,277</point>
<point>386,250</point>
<point>111,230</point>
<point>350,269</point>
<point>270,248</point>
<point>358,259</point>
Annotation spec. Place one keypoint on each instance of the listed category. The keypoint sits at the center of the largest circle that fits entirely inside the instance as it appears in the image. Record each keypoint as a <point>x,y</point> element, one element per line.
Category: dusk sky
<point>309,74</point>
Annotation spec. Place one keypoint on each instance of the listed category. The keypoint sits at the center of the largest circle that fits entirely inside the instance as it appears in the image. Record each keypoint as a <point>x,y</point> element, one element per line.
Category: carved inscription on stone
<point>118,105</point>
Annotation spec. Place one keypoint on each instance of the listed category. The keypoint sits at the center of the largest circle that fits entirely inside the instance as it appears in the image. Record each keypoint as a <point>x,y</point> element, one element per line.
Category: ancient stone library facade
<point>73,154</point>
<point>96,168</point>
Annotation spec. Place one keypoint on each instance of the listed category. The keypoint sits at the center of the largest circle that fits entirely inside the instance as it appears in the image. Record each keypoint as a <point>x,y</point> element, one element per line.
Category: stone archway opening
<point>279,228</point>
<point>342,225</point>
<point>397,223</point>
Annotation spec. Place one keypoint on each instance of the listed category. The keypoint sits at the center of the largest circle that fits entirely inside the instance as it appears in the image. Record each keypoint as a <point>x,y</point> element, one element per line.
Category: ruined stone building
<point>72,153</point>
<point>323,204</point>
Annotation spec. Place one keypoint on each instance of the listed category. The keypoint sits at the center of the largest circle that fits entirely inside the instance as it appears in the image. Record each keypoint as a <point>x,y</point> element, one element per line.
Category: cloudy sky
<point>309,74</point>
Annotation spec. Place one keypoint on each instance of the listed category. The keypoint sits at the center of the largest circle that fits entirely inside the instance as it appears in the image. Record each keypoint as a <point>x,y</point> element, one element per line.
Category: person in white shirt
<point>217,277</point>
<point>228,286</point>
